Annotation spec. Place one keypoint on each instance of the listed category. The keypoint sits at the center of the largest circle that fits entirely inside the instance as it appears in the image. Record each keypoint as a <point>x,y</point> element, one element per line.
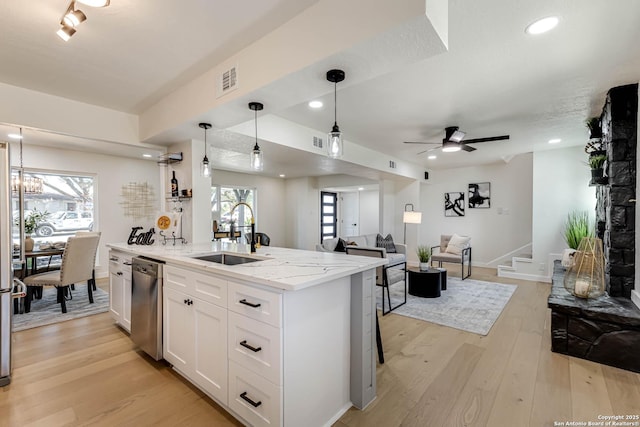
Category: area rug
<point>469,305</point>
<point>46,311</point>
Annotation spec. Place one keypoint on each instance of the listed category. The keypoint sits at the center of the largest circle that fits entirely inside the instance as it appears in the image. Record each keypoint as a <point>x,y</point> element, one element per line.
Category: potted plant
<point>424,255</point>
<point>576,228</point>
<point>596,162</point>
<point>31,222</point>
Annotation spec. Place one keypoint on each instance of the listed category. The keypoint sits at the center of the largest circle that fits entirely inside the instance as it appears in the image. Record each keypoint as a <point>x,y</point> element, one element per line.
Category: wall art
<point>480,195</point>
<point>454,204</point>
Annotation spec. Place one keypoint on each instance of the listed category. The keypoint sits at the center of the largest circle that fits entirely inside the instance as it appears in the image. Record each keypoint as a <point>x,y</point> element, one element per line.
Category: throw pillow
<point>387,243</point>
<point>457,244</point>
<point>340,246</point>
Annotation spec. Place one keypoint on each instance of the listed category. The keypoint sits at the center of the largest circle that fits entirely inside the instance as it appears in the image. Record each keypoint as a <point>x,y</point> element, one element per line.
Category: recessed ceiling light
<point>315,104</point>
<point>146,155</point>
<point>554,140</point>
<point>282,175</point>
<point>14,136</point>
<point>542,25</point>
<point>431,157</point>
<point>360,188</point>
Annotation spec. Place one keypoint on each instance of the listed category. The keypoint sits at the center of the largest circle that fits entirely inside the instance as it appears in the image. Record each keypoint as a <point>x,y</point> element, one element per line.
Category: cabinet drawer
<point>256,303</point>
<point>253,397</point>
<point>208,288</point>
<point>256,346</point>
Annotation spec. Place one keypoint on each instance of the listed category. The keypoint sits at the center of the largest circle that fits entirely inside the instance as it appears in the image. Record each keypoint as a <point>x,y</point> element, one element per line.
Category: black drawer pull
<point>119,273</point>
<point>254,349</point>
<point>251,402</point>
<point>245,302</point>
<point>127,263</point>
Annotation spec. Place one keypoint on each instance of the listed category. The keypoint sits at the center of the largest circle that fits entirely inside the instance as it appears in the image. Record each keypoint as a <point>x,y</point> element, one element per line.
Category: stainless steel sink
<point>227,259</point>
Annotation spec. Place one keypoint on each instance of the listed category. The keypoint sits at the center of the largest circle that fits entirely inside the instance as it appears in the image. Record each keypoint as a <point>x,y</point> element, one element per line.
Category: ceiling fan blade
<point>426,151</point>
<point>467,148</point>
<point>491,138</point>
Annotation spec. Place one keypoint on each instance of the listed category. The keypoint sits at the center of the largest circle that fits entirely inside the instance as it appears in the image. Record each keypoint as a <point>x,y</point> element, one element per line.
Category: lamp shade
<point>412,217</point>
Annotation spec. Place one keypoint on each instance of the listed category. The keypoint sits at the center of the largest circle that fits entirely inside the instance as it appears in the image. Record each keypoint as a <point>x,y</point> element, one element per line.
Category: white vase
<point>424,266</point>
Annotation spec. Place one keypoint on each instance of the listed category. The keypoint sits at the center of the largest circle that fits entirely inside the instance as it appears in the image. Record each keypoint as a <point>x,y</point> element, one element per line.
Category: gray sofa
<point>367,241</point>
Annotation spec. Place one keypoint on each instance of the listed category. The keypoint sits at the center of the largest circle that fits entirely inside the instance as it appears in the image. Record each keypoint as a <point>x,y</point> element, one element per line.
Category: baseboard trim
<point>523,276</point>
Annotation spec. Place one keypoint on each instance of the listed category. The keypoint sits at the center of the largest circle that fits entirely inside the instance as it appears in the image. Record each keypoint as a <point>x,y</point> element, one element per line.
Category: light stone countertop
<point>282,268</point>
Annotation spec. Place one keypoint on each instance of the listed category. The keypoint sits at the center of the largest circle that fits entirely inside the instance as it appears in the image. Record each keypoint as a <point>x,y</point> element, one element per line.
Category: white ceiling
<point>494,80</point>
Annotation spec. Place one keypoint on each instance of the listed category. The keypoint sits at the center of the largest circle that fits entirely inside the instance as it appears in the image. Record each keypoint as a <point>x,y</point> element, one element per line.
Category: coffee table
<point>427,283</point>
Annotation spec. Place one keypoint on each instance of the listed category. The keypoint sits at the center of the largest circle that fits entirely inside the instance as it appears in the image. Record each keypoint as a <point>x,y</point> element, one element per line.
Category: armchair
<point>453,249</point>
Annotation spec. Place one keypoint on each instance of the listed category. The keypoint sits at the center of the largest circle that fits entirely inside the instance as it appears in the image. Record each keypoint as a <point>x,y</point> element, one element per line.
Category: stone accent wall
<point>615,209</point>
<point>605,329</point>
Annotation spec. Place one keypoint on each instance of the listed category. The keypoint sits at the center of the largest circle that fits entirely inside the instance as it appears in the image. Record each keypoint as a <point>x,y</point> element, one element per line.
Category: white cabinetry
<point>255,354</point>
<point>195,330</point>
<point>120,288</point>
<point>272,357</point>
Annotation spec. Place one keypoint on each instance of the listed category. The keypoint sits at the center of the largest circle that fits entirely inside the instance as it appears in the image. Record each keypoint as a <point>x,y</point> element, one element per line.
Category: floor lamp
<point>410,217</point>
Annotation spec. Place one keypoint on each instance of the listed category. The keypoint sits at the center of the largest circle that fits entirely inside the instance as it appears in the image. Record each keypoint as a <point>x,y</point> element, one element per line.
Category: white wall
<point>111,174</point>
<point>271,208</point>
<point>560,185</point>
<point>496,231</point>
<point>368,218</point>
<point>302,213</point>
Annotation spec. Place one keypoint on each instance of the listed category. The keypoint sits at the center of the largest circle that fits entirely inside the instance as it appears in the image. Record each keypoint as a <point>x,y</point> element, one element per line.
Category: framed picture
<point>480,195</point>
<point>454,204</point>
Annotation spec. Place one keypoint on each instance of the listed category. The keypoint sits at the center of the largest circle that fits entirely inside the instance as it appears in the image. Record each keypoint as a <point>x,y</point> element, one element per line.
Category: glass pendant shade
<point>256,159</point>
<point>334,138</point>
<point>585,279</point>
<point>334,146</point>
<point>205,169</point>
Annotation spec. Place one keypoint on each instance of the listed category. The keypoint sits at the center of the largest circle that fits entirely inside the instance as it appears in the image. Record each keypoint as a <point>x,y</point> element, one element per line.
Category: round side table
<point>425,284</point>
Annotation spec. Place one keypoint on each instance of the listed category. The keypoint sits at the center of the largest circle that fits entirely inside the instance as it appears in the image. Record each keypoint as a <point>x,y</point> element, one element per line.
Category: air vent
<point>317,142</point>
<point>228,81</point>
<point>392,164</point>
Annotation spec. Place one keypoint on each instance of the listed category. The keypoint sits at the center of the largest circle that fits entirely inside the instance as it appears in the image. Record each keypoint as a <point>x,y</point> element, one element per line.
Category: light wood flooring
<point>87,372</point>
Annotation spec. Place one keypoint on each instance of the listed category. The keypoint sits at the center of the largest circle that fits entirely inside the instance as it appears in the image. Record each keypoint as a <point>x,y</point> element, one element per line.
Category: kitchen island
<point>286,340</point>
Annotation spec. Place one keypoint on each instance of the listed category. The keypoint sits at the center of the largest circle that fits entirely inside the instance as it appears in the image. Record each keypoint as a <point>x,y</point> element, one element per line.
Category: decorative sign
<point>142,238</point>
<point>164,222</point>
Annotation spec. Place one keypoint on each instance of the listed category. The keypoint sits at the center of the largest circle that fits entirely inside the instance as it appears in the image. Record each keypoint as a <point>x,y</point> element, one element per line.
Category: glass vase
<point>585,279</point>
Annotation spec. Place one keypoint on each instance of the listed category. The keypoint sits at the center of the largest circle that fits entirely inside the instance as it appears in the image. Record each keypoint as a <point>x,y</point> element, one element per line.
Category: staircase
<point>510,268</point>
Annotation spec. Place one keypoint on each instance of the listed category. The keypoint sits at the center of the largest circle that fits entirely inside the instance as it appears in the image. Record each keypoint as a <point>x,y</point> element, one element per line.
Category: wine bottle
<point>174,186</point>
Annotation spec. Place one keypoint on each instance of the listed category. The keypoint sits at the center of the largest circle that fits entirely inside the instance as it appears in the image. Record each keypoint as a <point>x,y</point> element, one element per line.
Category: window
<point>328,216</point>
<point>223,198</point>
<point>66,201</point>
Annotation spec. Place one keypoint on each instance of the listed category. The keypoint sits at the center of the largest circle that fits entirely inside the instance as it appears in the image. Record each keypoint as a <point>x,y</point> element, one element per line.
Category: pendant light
<point>205,169</point>
<point>256,155</point>
<point>334,145</point>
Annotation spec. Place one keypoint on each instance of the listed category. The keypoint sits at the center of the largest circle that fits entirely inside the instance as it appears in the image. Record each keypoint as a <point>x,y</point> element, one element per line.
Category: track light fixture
<point>74,17</point>
<point>256,155</point>
<point>205,168</point>
<point>334,145</point>
<point>65,33</point>
<point>94,3</point>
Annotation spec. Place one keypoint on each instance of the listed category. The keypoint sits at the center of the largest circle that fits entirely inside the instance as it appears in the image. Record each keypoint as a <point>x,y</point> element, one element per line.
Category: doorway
<point>349,213</point>
<point>328,216</point>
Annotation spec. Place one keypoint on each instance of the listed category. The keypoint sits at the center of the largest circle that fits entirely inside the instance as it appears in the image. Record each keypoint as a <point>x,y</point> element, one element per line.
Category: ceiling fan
<point>453,141</point>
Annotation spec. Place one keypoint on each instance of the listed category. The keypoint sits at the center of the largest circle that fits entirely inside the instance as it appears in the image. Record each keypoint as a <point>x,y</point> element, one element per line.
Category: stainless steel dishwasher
<point>146,305</point>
